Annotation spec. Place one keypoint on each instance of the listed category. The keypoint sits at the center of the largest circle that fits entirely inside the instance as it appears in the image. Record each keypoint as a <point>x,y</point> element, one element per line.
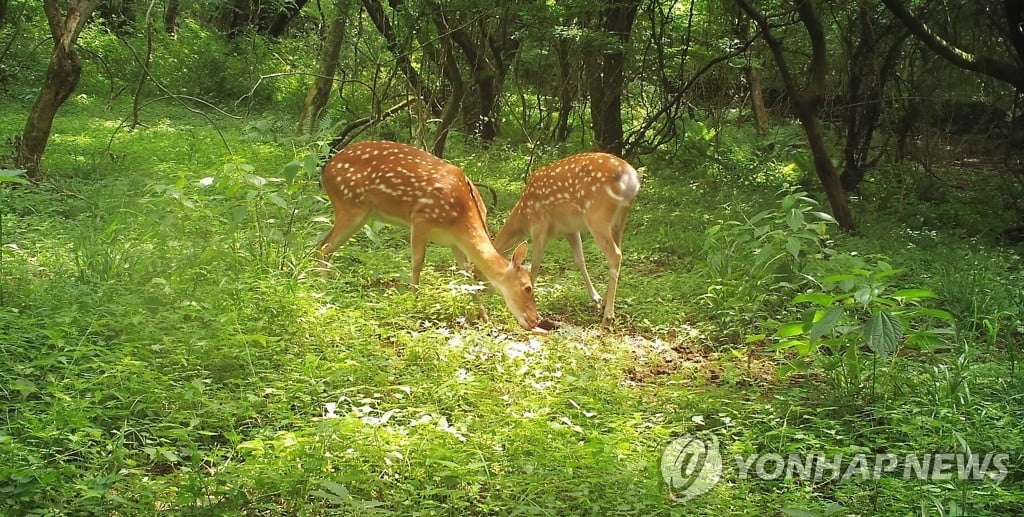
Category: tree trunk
<point>171,16</point>
<point>565,91</point>
<point>119,14</point>
<point>284,17</point>
<point>144,72</point>
<point>606,75</point>
<point>1010,72</point>
<point>857,65</point>
<point>62,76</point>
<point>823,165</point>
<point>868,77</point>
<point>375,11</point>
<point>319,93</point>
<point>753,78</point>
<point>757,99</point>
<point>487,94</point>
<point>239,17</point>
<point>487,52</point>
<point>450,69</point>
<point>808,100</point>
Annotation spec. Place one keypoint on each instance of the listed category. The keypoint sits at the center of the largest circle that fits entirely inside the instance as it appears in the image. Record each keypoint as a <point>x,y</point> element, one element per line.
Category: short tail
<point>625,189</point>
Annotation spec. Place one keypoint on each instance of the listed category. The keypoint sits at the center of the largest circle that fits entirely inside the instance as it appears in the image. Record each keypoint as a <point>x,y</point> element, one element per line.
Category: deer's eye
<point>528,289</point>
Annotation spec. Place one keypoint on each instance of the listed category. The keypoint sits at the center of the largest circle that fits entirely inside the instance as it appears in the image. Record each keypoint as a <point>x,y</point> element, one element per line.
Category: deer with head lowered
<point>592,191</point>
<point>400,184</point>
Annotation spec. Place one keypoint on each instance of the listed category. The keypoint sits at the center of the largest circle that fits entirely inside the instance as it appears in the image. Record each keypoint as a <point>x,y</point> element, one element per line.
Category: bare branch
<point>1005,71</point>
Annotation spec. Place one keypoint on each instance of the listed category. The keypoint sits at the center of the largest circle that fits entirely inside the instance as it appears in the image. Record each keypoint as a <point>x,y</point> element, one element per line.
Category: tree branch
<point>349,132</point>
<point>54,18</point>
<point>1002,70</point>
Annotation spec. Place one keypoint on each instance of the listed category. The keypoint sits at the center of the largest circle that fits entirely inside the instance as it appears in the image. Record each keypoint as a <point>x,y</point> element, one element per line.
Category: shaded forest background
<point>889,81</point>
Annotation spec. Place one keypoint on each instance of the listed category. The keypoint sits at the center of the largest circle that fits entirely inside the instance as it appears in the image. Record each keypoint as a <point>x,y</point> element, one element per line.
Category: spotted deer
<point>592,191</point>
<point>400,184</point>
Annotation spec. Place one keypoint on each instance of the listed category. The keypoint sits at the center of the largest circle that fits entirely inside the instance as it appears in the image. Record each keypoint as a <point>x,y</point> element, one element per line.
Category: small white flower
<point>329,410</point>
<point>442,425</point>
<point>465,288</point>
<point>421,420</point>
<point>369,420</point>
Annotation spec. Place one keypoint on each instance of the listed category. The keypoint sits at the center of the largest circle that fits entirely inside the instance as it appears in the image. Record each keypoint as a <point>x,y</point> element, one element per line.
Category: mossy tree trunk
<point>320,92</point>
<point>62,76</point>
<point>808,99</point>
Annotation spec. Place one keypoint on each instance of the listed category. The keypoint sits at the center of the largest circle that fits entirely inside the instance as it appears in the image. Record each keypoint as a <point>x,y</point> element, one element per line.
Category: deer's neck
<point>513,231</point>
<point>479,250</point>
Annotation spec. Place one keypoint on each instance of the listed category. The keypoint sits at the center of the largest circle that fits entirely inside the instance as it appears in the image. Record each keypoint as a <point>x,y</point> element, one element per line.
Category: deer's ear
<point>519,256</point>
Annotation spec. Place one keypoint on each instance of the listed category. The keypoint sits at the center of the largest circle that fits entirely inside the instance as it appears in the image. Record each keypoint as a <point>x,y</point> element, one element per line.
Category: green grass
<point>169,346</point>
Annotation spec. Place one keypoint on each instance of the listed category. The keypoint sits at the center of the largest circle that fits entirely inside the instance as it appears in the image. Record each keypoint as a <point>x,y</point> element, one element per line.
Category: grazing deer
<point>400,184</point>
<point>588,190</point>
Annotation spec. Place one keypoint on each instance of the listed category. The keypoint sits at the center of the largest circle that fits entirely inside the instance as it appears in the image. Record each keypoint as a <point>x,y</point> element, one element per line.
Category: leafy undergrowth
<point>169,345</point>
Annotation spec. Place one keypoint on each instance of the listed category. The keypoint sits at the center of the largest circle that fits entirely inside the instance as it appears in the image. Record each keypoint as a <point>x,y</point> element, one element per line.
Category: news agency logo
<point>692,466</point>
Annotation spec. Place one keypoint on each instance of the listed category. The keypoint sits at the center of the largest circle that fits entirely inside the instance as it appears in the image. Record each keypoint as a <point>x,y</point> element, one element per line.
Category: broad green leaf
<point>13,176</point>
<point>824,217</point>
<point>793,246</point>
<point>827,322</point>
<point>289,171</point>
<point>933,313</point>
<point>888,302</point>
<point>819,299</point>
<point>882,332</point>
<point>926,339</point>
<point>754,338</point>
<point>809,316</point>
<point>277,200</point>
<point>764,256</point>
<point>759,217</point>
<point>913,294</point>
<point>789,343</point>
<point>788,202</point>
<point>805,347</point>
<point>24,386</point>
<point>335,488</point>
<point>864,295</point>
<point>311,163</point>
<point>795,219</point>
<point>790,330</point>
<point>853,362</point>
<point>370,229</point>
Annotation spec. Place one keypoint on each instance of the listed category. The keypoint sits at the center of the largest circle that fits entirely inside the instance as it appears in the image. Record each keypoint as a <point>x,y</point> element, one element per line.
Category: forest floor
<point>168,345</point>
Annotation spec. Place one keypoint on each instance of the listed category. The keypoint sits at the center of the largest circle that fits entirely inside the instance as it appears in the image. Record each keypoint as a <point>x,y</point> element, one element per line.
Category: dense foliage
<point>169,345</point>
